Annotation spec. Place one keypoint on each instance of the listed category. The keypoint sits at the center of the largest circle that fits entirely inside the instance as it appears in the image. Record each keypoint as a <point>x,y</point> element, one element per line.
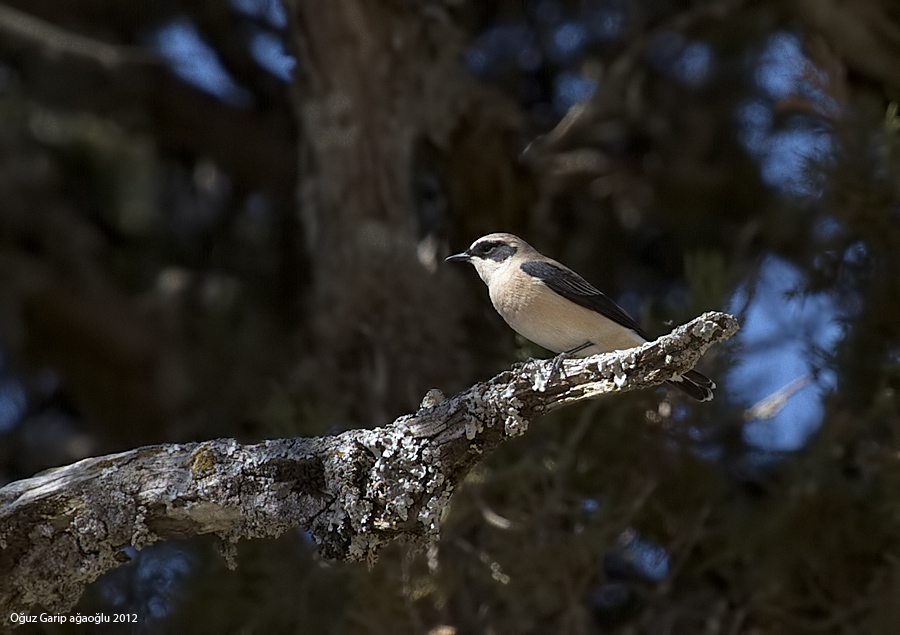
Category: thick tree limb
<point>353,492</point>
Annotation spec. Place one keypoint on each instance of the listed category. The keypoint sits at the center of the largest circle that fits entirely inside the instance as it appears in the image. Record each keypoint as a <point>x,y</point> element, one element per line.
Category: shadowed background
<point>229,219</point>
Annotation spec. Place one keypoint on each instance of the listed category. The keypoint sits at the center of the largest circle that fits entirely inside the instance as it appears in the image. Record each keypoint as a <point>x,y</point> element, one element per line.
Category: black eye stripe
<point>483,248</point>
<point>493,250</point>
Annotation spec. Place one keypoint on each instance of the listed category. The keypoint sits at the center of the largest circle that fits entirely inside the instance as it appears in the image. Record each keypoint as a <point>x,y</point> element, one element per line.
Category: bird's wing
<point>573,287</point>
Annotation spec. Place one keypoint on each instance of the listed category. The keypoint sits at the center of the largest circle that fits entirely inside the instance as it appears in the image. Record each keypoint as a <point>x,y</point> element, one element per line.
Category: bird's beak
<point>463,257</point>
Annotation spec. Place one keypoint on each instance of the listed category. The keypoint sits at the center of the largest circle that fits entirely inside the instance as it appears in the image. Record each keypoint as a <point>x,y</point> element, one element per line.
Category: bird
<point>554,307</point>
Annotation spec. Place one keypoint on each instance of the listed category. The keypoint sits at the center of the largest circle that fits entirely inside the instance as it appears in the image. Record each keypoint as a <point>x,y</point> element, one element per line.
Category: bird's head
<point>491,254</point>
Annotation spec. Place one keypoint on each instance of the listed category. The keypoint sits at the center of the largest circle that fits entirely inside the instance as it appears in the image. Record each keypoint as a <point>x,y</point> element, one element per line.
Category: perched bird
<point>554,307</point>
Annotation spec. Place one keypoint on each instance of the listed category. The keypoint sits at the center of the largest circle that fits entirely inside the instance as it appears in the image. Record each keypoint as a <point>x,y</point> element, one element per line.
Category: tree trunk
<point>377,82</point>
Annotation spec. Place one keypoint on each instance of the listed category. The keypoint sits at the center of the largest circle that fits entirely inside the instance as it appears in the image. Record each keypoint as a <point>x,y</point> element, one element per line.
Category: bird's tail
<point>695,385</point>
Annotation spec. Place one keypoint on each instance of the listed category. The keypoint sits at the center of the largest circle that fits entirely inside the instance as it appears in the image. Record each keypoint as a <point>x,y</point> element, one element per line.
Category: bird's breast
<point>550,320</point>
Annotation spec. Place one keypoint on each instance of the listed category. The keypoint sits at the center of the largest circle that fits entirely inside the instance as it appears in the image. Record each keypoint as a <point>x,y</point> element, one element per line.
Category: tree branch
<point>353,492</point>
<point>55,40</point>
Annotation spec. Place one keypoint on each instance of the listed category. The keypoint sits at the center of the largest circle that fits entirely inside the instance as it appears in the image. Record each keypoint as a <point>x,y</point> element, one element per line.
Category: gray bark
<point>354,492</point>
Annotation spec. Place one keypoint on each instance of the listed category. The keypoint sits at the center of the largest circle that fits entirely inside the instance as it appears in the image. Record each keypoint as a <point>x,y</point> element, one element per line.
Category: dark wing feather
<point>573,287</point>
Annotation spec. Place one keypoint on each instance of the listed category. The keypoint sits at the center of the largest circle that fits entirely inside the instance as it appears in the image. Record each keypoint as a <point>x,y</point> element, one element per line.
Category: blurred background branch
<point>53,41</point>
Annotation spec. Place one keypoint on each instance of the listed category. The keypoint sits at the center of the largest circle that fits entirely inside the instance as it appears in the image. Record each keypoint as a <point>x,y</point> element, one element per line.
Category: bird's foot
<point>521,365</point>
<point>557,365</point>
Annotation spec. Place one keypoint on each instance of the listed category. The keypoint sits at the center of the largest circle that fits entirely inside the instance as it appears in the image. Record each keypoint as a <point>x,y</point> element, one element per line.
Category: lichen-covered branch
<point>353,492</point>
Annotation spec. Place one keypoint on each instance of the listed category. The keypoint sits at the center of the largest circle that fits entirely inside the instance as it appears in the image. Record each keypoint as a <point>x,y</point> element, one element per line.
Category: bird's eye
<point>486,248</point>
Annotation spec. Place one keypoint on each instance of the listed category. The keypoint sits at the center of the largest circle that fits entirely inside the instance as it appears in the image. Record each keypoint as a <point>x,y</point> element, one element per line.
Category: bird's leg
<point>569,353</point>
<point>558,360</point>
